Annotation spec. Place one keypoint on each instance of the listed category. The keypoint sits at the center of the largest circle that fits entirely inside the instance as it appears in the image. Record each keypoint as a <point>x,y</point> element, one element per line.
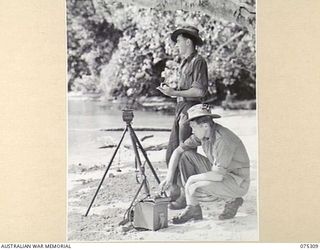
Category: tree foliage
<point>91,43</point>
<point>241,12</point>
<point>125,50</point>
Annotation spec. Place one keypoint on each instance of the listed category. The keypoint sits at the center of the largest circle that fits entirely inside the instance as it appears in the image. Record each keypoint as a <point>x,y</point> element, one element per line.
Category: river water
<point>86,118</point>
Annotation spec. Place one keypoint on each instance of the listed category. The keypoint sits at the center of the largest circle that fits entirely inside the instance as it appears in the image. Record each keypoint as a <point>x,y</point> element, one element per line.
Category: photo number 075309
<point>309,245</point>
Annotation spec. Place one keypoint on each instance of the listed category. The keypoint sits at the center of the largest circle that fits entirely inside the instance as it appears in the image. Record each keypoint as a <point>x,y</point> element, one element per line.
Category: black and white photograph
<point>162,121</point>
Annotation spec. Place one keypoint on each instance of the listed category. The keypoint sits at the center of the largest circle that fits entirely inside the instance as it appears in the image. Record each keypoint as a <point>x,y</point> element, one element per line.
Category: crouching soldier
<point>223,173</point>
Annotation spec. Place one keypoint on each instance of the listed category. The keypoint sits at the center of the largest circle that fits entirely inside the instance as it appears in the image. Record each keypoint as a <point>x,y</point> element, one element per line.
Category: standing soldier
<point>192,86</point>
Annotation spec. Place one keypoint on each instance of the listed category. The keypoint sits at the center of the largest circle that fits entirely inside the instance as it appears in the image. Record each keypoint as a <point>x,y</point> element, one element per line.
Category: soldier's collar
<point>192,55</point>
<point>189,58</point>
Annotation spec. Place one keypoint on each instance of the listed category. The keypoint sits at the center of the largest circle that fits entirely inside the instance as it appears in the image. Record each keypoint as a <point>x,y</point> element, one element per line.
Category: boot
<point>191,212</point>
<point>174,192</point>
<point>231,209</point>
<point>180,203</point>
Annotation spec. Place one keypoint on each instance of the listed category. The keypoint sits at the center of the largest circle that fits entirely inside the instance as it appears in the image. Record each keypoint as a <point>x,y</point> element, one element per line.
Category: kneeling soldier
<point>223,173</point>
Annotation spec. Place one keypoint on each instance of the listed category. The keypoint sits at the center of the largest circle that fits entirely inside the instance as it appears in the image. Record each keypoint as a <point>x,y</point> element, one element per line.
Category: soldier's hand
<point>165,89</point>
<point>164,185</point>
<point>163,84</point>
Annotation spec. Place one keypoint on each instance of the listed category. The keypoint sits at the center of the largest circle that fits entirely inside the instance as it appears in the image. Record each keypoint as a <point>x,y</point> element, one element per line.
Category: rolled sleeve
<point>200,76</point>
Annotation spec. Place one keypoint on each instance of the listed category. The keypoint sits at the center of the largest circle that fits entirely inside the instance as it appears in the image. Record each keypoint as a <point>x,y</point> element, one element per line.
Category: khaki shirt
<point>193,74</point>
<point>224,150</point>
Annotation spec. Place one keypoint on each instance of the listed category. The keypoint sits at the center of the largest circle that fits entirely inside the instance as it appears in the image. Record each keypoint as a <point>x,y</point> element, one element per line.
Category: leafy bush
<point>91,43</point>
<point>127,51</point>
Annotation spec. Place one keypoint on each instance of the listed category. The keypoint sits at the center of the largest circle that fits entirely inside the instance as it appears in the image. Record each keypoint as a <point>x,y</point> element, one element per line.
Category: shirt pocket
<point>186,79</point>
<point>188,72</point>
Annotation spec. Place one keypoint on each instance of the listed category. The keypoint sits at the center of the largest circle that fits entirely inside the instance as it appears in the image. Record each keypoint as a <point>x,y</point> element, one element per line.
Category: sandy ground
<point>119,188</point>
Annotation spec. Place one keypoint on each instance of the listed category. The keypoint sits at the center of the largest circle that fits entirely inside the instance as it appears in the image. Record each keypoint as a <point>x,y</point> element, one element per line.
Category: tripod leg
<point>105,173</point>
<point>136,153</point>
<point>144,154</point>
<point>127,214</point>
<point>137,157</point>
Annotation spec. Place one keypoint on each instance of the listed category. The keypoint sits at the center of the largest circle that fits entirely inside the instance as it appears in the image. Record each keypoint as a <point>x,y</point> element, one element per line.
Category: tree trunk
<point>236,11</point>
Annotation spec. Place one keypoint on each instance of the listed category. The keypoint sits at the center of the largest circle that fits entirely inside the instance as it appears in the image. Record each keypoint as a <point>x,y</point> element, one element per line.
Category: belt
<point>189,99</point>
